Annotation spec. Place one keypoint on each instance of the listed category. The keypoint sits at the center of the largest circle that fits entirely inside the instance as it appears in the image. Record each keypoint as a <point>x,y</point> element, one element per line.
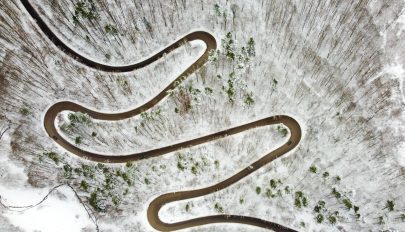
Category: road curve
<point>156,204</point>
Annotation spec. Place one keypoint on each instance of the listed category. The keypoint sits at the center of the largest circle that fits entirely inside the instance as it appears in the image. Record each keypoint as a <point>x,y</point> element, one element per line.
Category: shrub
<point>297,203</point>
<point>228,46</point>
<point>84,9</point>
<point>180,166</point>
<point>390,205</point>
<point>194,169</point>
<point>126,178</point>
<point>241,200</point>
<point>122,82</point>
<point>53,156</point>
<point>84,185</point>
<point>274,84</point>
<point>67,170</point>
<point>116,200</point>
<point>313,169</point>
<point>193,91</point>
<point>347,203</point>
<point>287,189</point>
<point>269,193</point>
<point>332,219</point>
<point>304,201</point>
<point>78,171</point>
<point>78,140</point>
<point>282,130</point>
<point>300,200</point>
<point>129,164</point>
<point>258,190</point>
<point>251,47</point>
<point>208,90</point>
<point>213,56</point>
<point>230,89</point>
<point>273,183</point>
<point>336,193</point>
<point>319,218</point>
<point>320,206</point>
<point>217,10</point>
<point>94,201</point>
<point>87,171</point>
<point>180,156</point>
<point>25,111</point>
<point>78,117</point>
<point>249,99</point>
<point>216,162</point>
<point>218,208</point>
<point>111,29</point>
<point>230,54</point>
<point>101,167</point>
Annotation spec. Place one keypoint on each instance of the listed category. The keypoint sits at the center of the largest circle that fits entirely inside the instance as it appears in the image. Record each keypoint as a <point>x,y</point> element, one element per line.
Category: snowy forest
<point>263,115</point>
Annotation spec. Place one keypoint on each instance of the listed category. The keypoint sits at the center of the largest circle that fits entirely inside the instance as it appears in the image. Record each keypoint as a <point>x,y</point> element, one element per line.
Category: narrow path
<point>156,204</point>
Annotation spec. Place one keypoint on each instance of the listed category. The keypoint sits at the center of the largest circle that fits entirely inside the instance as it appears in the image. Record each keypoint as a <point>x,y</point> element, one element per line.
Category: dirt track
<point>156,204</point>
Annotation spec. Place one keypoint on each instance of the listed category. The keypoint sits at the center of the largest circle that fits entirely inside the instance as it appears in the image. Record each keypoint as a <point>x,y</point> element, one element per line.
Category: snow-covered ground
<point>335,66</point>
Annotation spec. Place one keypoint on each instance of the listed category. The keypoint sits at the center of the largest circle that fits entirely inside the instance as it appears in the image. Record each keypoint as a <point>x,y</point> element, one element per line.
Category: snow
<point>60,212</point>
<point>339,68</point>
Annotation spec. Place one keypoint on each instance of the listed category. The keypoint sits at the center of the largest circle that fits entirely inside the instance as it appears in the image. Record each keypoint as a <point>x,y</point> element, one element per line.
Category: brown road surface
<point>156,204</point>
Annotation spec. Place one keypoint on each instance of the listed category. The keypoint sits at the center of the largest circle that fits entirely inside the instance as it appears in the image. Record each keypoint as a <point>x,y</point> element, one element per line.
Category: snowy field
<point>337,67</point>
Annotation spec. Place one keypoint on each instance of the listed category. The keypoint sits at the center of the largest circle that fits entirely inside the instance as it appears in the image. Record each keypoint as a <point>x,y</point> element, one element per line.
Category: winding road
<point>157,203</point>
